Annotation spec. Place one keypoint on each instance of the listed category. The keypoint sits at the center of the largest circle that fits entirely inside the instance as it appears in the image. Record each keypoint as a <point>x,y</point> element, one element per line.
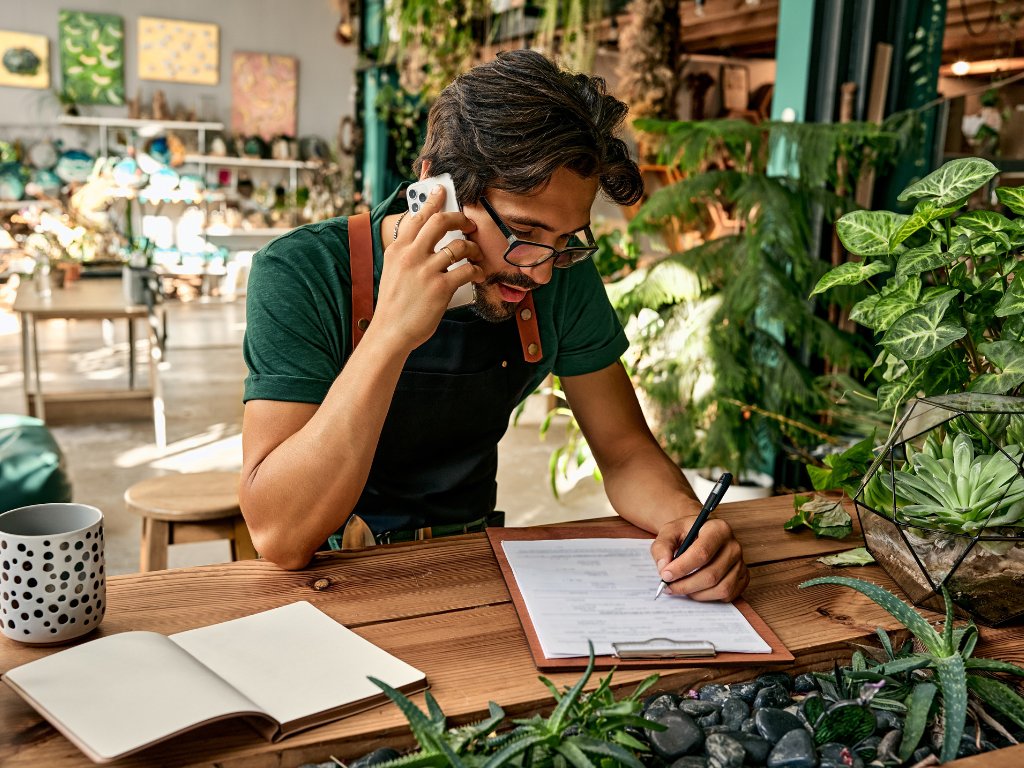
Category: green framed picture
<point>92,57</point>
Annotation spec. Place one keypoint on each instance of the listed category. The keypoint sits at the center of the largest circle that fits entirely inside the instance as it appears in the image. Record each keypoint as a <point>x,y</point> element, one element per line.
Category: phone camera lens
<point>412,193</point>
<point>423,198</point>
<point>415,207</point>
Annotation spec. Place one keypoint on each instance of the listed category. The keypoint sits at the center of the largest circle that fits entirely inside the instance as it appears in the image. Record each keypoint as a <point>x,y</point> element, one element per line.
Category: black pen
<point>714,499</point>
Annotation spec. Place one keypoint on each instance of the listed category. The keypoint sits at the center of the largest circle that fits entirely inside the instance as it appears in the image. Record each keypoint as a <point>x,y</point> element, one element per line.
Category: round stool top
<point>191,496</point>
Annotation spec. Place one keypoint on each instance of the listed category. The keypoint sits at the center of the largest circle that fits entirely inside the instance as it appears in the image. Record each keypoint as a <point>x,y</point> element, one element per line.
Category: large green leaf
<point>922,331</point>
<point>895,393</point>
<point>923,259</point>
<point>999,696</point>
<point>924,213</point>
<point>985,222</point>
<point>867,233</point>
<point>850,273</point>
<point>1012,302</point>
<point>953,682</point>
<point>863,311</point>
<point>953,181</point>
<point>1012,198</point>
<point>898,298</point>
<point>1008,357</point>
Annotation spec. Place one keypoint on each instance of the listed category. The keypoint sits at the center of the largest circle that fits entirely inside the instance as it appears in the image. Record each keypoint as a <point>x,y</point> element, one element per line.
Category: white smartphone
<point>416,195</point>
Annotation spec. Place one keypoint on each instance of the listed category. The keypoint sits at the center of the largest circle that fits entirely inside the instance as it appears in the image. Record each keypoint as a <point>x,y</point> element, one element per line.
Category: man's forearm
<point>306,487</point>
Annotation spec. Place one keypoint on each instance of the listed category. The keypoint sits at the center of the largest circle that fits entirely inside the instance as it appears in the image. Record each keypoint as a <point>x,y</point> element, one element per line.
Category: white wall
<point>300,28</point>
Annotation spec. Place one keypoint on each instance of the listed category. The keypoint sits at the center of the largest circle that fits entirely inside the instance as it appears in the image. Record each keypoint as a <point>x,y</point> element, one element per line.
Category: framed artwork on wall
<point>264,91</point>
<point>179,51</point>
<point>92,57</point>
<point>24,60</point>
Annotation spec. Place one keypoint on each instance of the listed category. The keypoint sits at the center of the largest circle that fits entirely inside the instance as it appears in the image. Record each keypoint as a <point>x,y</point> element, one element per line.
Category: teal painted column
<point>375,135</point>
<point>793,60</point>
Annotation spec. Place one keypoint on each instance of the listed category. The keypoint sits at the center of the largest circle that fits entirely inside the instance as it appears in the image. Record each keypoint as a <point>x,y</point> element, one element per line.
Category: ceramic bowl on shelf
<point>43,155</point>
<point>74,166</point>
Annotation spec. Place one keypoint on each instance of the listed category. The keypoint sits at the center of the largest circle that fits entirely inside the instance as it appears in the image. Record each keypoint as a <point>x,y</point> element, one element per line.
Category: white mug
<point>52,582</point>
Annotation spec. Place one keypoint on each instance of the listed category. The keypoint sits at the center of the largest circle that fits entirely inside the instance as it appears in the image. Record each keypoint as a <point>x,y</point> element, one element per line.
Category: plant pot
<point>752,485</point>
<point>133,283</point>
<point>982,566</point>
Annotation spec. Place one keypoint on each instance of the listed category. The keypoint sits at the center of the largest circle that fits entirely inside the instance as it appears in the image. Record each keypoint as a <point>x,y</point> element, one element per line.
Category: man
<point>402,428</point>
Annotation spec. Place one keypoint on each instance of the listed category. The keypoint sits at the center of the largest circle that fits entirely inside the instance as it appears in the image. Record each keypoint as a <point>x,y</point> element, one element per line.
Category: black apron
<point>437,457</point>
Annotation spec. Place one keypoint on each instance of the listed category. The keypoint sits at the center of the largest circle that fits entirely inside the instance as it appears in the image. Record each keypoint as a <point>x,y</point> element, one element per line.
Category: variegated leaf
<point>924,213</point>
<point>1008,357</point>
<point>894,394</point>
<point>863,311</point>
<point>850,273</point>
<point>923,259</point>
<point>897,299</point>
<point>1012,302</point>
<point>922,331</point>
<point>984,222</point>
<point>1012,198</point>
<point>953,181</point>
<point>867,233</point>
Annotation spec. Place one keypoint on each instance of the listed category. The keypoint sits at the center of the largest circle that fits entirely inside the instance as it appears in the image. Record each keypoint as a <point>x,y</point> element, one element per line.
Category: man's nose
<point>540,274</point>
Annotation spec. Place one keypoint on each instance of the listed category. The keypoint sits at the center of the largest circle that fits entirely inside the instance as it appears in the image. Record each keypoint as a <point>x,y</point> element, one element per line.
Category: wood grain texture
<point>442,606</point>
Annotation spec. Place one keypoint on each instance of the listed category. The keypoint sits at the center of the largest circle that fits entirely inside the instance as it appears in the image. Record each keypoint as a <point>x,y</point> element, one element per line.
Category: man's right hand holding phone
<point>416,285</point>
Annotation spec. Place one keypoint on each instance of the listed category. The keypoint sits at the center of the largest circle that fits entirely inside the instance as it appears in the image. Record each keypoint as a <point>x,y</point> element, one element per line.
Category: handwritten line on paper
<point>599,590</point>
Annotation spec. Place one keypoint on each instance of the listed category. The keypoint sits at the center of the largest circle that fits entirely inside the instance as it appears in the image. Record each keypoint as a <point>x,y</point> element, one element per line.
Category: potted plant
<point>947,308</point>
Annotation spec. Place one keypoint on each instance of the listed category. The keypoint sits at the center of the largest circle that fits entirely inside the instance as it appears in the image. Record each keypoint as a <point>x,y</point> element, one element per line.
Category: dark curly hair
<point>511,123</point>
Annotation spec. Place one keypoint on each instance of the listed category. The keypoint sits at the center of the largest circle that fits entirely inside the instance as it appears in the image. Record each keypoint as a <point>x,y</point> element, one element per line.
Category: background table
<point>442,606</point>
<point>92,299</point>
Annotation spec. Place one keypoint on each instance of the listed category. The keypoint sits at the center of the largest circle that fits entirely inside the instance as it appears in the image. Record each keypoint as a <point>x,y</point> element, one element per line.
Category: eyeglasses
<point>524,253</point>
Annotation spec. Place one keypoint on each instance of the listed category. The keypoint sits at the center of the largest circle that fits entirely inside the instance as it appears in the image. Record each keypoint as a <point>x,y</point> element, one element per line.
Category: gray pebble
<point>772,696</point>
<point>724,751</point>
<point>773,723</point>
<point>682,736</point>
<point>794,750</point>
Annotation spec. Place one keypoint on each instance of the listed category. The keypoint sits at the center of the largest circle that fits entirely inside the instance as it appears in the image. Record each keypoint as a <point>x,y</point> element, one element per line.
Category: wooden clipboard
<point>616,529</point>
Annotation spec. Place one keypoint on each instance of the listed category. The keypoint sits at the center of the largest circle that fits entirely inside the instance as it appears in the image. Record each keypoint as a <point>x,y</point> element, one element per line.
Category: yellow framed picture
<point>24,60</point>
<point>179,51</point>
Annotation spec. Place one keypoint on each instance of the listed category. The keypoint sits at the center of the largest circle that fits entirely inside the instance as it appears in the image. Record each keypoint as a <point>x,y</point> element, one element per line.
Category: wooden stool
<point>176,509</point>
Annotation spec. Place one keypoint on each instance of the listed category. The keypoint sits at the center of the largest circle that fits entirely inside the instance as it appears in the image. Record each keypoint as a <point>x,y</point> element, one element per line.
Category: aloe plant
<point>947,295</point>
<point>944,667</point>
<point>582,730</point>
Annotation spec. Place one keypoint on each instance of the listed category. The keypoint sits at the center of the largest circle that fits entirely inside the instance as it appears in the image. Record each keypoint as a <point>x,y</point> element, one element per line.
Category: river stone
<point>919,754</point>
<point>690,761</point>
<point>709,729</point>
<point>749,726</point>
<point>805,683</point>
<point>886,721</point>
<point>775,678</point>
<point>757,749</point>
<point>773,723</point>
<point>377,757</point>
<point>713,692</point>
<point>734,712</point>
<point>712,718</point>
<point>745,691</point>
<point>724,751</point>
<point>794,750</point>
<point>698,708</point>
<point>772,696</point>
<point>664,702</point>
<point>681,737</point>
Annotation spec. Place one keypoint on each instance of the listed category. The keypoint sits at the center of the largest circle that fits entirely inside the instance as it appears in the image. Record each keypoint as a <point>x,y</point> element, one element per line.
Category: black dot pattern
<point>38,602</point>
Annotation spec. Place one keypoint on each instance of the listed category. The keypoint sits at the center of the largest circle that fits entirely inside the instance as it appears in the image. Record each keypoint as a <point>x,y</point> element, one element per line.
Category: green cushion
<point>32,467</point>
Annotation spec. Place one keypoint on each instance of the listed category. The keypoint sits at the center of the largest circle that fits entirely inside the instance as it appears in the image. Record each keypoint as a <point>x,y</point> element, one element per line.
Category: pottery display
<point>74,166</point>
<point>43,154</point>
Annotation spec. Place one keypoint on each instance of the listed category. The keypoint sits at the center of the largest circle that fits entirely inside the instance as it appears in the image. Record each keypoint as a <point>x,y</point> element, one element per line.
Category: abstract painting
<point>264,90</point>
<point>24,60</point>
<point>92,57</point>
<point>179,51</point>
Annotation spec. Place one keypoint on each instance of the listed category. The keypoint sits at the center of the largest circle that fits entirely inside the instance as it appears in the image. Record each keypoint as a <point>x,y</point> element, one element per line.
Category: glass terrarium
<point>943,504</point>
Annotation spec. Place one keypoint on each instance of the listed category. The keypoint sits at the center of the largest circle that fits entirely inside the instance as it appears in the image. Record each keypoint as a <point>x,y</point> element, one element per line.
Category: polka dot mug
<point>52,582</point>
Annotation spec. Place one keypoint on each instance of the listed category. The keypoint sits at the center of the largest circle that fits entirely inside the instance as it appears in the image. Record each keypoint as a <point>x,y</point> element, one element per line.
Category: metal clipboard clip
<point>664,648</point>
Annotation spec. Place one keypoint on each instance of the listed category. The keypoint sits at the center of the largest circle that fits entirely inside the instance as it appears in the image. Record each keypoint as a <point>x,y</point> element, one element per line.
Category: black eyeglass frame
<point>587,251</point>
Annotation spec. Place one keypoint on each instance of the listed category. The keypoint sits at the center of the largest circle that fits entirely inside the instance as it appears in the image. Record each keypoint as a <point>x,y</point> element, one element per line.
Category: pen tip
<point>661,587</point>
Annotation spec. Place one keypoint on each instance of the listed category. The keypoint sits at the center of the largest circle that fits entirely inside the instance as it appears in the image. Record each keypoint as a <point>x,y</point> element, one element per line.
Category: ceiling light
<point>961,68</point>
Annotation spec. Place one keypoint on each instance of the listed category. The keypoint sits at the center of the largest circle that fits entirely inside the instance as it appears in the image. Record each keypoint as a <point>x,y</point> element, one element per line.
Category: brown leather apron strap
<point>529,334</point>
<point>360,259</point>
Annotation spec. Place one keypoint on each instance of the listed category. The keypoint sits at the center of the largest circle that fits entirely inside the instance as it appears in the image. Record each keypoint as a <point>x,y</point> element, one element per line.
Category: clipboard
<point>632,652</point>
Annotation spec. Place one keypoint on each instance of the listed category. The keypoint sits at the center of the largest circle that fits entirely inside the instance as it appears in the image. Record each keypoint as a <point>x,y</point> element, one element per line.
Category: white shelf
<point>130,122</point>
<point>252,162</point>
<point>255,232</point>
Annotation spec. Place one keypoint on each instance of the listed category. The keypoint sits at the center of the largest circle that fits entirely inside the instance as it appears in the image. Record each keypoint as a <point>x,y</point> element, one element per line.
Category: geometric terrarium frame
<point>943,504</point>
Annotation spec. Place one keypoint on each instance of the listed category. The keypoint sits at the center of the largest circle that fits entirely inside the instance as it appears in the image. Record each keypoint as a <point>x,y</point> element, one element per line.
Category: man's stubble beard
<point>498,311</point>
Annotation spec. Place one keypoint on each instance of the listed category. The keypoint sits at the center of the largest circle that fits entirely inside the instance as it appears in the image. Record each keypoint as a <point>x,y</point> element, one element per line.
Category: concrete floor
<point>202,378</point>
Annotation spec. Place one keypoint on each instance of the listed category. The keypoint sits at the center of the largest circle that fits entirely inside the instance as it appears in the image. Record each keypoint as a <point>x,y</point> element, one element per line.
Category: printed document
<point>602,590</point>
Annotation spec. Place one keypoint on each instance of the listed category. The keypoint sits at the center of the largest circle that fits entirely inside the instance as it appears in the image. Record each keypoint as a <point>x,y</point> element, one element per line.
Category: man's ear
<point>425,170</point>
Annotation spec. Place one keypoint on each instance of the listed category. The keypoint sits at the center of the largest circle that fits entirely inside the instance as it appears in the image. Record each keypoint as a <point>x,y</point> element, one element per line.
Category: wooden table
<point>92,299</point>
<point>442,606</point>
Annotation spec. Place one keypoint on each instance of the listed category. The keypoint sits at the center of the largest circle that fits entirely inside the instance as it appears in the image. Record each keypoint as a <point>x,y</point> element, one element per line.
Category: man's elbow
<point>278,550</point>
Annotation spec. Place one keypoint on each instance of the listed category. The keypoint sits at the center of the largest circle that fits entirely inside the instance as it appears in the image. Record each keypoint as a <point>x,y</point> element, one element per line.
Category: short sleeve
<point>590,336</point>
<point>297,311</point>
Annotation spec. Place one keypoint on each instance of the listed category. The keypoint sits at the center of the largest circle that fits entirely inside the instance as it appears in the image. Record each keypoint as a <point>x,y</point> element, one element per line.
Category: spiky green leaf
<point>922,332</point>
<point>953,680</point>
<point>850,273</point>
<point>910,618</point>
<point>994,665</point>
<point>999,696</point>
<point>919,706</point>
<point>953,181</point>
<point>867,233</point>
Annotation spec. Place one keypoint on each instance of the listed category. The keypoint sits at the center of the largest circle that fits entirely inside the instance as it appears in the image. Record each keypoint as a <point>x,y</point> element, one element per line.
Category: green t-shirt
<point>299,327</point>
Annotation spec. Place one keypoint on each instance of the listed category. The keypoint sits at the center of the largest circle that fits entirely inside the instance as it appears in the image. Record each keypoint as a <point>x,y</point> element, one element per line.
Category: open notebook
<point>284,670</point>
